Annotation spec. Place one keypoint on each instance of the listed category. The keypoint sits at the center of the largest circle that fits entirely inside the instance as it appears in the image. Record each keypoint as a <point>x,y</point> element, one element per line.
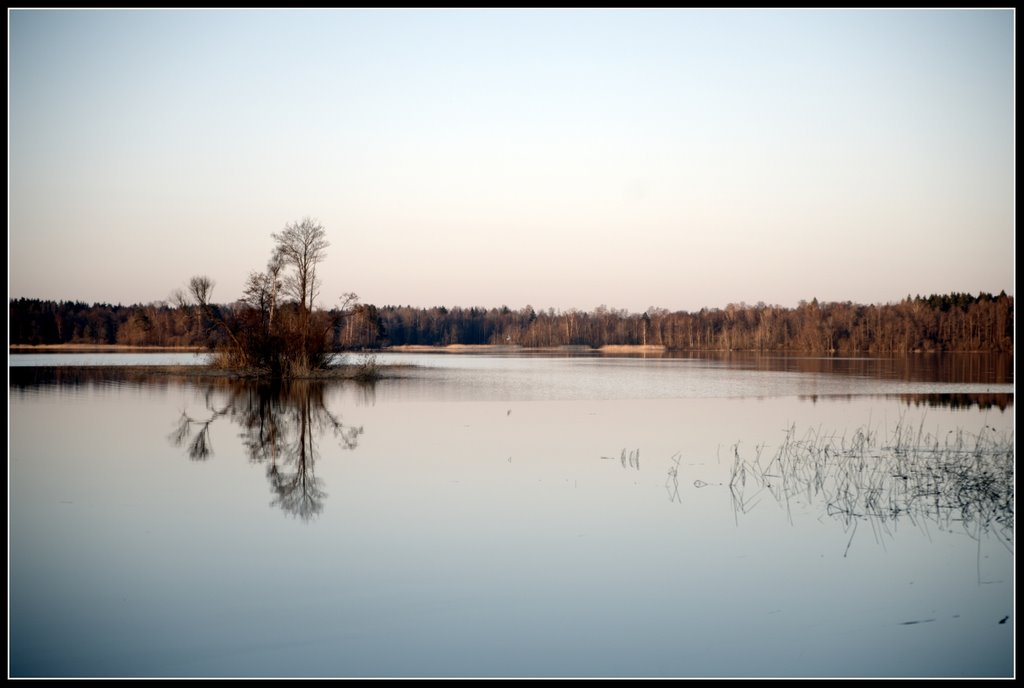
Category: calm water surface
<point>529,516</point>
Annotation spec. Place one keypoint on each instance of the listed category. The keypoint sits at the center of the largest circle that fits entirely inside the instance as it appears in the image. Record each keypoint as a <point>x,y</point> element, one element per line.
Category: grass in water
<point>959,479</point>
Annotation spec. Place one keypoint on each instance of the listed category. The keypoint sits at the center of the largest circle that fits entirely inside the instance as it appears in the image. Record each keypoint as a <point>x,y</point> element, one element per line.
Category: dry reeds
<point>958,479</point>
<point>630,460</point>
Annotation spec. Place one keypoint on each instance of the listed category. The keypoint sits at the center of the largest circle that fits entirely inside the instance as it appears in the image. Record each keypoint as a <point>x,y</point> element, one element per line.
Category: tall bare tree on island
<point>301,246</point>
<point>275,328</point>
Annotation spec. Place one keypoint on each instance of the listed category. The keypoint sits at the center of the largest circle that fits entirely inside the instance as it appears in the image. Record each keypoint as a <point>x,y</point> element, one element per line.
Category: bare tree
<point>275,326</point>
<point>201,288</point>
<point>274,268</point>
<point>301,245</point>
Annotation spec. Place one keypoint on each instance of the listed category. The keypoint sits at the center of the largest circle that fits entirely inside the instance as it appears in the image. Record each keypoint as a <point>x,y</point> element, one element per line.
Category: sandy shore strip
<point>514,348</point>
<point>101,348</point>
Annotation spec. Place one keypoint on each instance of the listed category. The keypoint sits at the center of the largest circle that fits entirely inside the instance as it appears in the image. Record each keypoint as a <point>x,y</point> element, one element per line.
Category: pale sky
<point>557,158</point>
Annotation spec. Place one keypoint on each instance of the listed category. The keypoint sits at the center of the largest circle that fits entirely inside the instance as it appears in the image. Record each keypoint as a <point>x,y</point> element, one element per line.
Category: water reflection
<point>281,427</point>
<point>94,377</point>
<point>957,368</point>
<point>984,401</point>
<point>432,533</point>
<point>954,400</point>
<point>958,480</point>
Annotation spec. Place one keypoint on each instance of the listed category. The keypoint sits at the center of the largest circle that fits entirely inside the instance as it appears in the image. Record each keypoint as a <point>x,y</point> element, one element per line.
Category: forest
<point>954,322</point>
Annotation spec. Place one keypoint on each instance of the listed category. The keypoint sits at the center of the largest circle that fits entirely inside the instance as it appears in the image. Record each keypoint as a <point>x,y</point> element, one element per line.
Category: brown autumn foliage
<point>938,323</point>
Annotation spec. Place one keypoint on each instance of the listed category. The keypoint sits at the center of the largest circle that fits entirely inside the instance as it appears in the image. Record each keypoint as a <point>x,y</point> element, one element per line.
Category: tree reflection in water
<point>281,424</point>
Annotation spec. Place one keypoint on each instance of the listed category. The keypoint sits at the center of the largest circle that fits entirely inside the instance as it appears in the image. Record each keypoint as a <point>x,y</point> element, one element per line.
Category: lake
<point>515,516</point>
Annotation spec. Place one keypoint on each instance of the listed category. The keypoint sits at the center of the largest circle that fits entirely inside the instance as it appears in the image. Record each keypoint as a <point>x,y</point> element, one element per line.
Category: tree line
<point>955,322</point>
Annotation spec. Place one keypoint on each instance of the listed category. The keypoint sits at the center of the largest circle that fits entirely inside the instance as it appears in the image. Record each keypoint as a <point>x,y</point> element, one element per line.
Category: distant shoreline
<point>512,348</point>
<point>653,349</point>
<point>406,348</point>
<point>352,372</point>
<point>100,348</point>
